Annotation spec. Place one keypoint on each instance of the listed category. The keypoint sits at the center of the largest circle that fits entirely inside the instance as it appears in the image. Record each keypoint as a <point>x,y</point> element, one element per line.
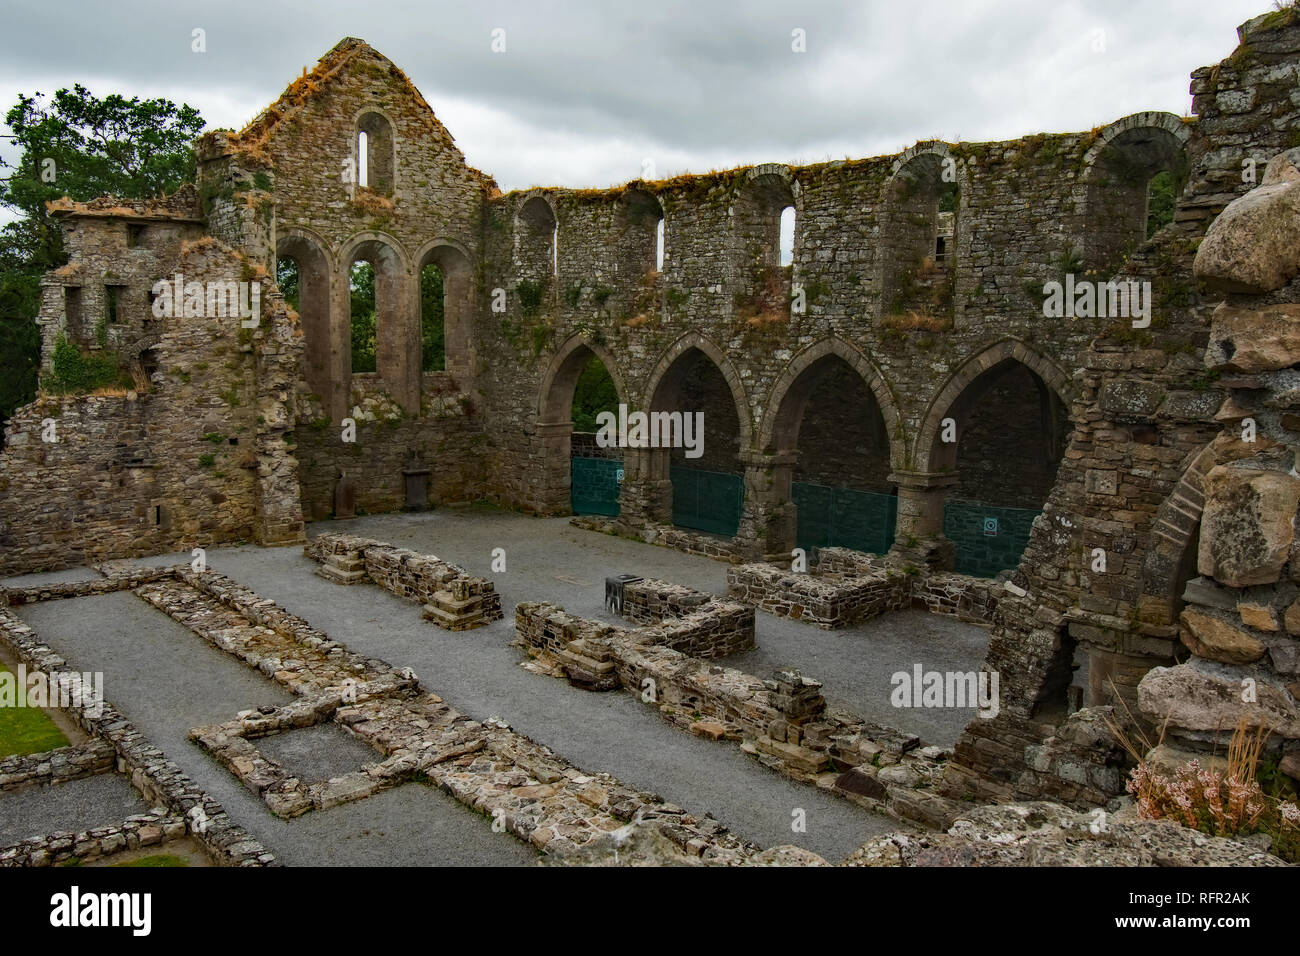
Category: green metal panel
<point>844,518</point>
<point>988,539</point>
<point>707,500</point>
<point>594,485</point>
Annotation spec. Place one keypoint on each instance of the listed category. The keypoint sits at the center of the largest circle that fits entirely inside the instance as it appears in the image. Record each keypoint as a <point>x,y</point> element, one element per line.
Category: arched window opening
<point>302,274</point>
<point>537,241</point>
<point>363,159</point>
<point>1160,202</point>
<point>919,239</point>
<point>433,346</point>
<point>376,159</point>
<point>361,282</point>
<point>765,237</point>
<point>659,246</point>
<point>1132,187</point>
<point>786,240</point>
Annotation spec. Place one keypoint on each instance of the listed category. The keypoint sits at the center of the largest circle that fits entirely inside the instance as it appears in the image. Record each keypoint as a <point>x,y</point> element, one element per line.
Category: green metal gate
<point>707,500</point>
<point>988,539</point>
<point>594,485</point>
<point>844,518</point>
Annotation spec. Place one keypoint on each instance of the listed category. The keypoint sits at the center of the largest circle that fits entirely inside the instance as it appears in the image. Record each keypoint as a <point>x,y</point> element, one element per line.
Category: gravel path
<point>166,680</point>
<point>102,800</point>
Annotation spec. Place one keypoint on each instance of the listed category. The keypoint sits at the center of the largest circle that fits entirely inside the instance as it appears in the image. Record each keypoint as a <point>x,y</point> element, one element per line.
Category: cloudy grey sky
<point>585,91</point>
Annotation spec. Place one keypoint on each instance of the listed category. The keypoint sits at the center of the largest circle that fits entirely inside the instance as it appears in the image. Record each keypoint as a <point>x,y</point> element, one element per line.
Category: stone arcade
<point>1161,566</point>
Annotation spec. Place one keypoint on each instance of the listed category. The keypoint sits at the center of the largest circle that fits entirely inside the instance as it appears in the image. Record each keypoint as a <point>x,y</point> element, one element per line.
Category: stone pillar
<point>647,493</point>
<point>397,338</point>
<point>918,537</point>
<point>552,481</point>
<point>767,525</point>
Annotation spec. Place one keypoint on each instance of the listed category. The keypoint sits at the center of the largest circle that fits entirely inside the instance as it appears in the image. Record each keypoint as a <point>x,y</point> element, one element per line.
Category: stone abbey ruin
<point>1110,495</point>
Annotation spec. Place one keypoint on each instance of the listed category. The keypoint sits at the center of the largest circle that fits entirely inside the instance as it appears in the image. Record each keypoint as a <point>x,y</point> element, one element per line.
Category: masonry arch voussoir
<point>1173,533</point>
<point>768,436</point>
<point>1008,349</point>
<point>350,247</point>
<point>287,239</point>
<point>549,400</point>
<point>694,340</point>
<point>1148,119</point>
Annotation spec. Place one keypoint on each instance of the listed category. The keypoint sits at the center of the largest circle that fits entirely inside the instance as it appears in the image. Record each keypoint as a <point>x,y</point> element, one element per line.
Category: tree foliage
<point>594,393</point>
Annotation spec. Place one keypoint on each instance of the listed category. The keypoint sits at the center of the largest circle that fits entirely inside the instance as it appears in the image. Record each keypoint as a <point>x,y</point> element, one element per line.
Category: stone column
<point>918,537</point>
<point>551,483</point>
<point>647,493</point>
<point>768,522</point>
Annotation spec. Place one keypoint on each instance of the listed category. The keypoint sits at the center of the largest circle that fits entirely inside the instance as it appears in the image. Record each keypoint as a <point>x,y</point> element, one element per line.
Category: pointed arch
<point>555,398</point>
<point>780,425</point>
<point>927,451</point>
<point>654,392</point>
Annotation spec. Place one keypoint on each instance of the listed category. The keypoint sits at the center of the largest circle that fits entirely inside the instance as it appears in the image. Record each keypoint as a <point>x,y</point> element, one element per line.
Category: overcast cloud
<point>585,90</point>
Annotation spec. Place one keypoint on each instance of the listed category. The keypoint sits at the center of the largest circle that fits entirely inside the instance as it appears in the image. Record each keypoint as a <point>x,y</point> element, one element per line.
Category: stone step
<point>331,573</point>
<point>451,621</point>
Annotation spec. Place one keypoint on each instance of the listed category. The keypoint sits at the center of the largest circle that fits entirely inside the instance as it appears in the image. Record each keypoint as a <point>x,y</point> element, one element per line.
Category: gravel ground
<point>322,752</point>
<point>477,671</point>
<point>102,800</point>
<point>167,680</point>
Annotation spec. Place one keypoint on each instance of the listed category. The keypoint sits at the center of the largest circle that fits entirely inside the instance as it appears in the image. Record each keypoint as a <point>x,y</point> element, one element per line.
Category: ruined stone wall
<point>198,459</point>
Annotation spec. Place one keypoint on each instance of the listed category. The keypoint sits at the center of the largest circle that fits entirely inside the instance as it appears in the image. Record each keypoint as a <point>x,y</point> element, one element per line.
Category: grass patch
<point>156,859</point>
<point>27,730</point>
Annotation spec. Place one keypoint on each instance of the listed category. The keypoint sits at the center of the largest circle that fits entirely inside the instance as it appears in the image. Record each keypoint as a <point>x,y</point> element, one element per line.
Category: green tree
<point>363,317</point>
<point>78,145</point>
<point>286,277</point>
<point>1160,202</point>
<point>594,393</point>
<point>433,352</point>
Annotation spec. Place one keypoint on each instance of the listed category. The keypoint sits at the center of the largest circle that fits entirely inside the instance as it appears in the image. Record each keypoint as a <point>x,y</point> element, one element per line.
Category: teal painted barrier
<point>594,486</point>
<point>988,539</point>
<point>707,500</point>
<point>843,518</point>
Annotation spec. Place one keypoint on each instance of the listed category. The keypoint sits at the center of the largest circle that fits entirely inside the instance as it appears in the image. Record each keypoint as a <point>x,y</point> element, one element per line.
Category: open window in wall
<point>361,283</point>
<point>446,310</point>
<point>918,244</point>
<point>302,275</point>
<point>376,158</point>
<point>1131,188</point>
<point>72,308</point>
<point>765,240</point>
<point>537,234</point>
<point>639,234</point>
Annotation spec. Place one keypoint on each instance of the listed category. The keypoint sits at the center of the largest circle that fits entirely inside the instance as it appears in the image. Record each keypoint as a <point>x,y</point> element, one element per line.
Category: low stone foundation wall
<point>693,622</point>
<point>846,587</point>
<point>159,780</point>
<point>56,766</point>
<point>453,598</point>
<point>114,578</point>
<point>827,600</point>
<point>668,536</point>
<point>783,722</point>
